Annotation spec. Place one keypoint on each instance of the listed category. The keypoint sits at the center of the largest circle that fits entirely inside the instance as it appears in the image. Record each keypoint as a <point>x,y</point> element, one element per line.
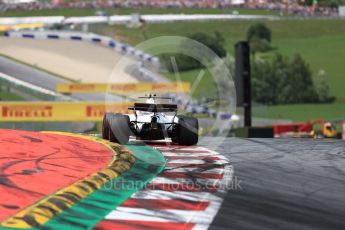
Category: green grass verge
<point>205,88</point>
<point>307,112</point>
<point>9,96</point>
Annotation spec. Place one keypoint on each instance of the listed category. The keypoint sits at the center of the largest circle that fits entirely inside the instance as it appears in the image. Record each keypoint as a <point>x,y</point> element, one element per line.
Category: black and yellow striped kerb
<point>41,212</point>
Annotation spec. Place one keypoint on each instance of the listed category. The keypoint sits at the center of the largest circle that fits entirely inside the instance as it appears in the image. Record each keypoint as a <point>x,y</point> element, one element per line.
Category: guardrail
<point>149,18</point>
<point>125,19</point>
<point>199,109</point>
<point>147,75</point>
<point>50,20</point>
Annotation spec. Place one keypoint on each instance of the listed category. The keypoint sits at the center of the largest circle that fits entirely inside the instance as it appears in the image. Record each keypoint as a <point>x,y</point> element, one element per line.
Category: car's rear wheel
<point>106,126</point>
<point>187,132</point>
<point>120,129</point>
<point>116,128</point>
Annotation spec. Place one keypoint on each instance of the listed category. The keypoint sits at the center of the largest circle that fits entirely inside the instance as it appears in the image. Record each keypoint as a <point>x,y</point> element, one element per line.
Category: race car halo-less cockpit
<point>150,121</point>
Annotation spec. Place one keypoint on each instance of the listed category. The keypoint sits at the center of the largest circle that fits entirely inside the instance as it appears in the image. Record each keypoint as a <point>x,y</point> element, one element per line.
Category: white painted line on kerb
<point>185,173</point>
<point>187,170</point>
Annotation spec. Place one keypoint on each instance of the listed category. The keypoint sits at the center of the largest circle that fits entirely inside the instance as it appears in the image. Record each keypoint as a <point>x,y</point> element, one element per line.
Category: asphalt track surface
<point>283,184</point>
<point>45,80</point>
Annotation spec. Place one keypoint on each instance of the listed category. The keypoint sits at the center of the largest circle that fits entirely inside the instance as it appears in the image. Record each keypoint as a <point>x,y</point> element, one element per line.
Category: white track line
<point>171,215</point>
<point>164,195</point>
<point>187,170</point>
<point>165,180</point>
<point>187,154</point>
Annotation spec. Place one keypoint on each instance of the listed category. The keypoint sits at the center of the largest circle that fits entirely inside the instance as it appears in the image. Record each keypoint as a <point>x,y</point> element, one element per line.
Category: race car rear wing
<point>155,97</point>
<point>154,108</point>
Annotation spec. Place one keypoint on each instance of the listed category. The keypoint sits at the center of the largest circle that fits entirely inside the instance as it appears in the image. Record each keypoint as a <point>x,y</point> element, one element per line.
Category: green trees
<point>326,3</point>
<point>215,43</point>
<point>301,79</point>
<point>322,88</point>
<point>284,81</point>
<point>259,30</point>
<point>259,37</point>
<point>184,63</point>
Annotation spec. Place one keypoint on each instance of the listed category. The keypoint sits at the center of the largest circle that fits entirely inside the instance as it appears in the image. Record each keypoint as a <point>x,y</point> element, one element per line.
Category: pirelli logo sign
<point>95,111</point>
<point>82,87</point>
<point>58,111</point>
<point>38,111</point>
<point>123,87</point>
<point>174,87</point>
<point>98,111</point>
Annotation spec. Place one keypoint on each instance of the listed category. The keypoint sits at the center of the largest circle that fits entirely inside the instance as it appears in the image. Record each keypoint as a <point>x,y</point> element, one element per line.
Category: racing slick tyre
<point>120,130</point>
<point>115,128</point>
<point>187,131</point>
<point>106,126</point>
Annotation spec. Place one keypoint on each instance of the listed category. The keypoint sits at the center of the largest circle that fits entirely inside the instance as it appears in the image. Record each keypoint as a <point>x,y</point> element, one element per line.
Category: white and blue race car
<point>151,121</point>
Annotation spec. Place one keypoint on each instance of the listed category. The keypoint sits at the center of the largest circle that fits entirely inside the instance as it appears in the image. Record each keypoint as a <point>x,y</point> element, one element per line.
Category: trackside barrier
<point>86,20</point>
<point>125,19</point>
<point>147,75</point>
<point>88,37</point>
<point>70,111</point>
<point>58,111</point>
<point>178,87</point>
<point>153,18</point>
<point>30,88</point>
<point>282,129</point>
<point>50,20</point>
<point>199,109</point>
<point>21,26</point>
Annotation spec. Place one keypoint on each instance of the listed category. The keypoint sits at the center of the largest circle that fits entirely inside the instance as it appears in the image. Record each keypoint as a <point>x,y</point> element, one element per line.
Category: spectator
<point>283,8</point>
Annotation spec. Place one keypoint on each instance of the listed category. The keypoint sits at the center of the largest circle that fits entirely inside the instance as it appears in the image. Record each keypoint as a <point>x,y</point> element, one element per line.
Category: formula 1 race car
<point>150,121</point>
